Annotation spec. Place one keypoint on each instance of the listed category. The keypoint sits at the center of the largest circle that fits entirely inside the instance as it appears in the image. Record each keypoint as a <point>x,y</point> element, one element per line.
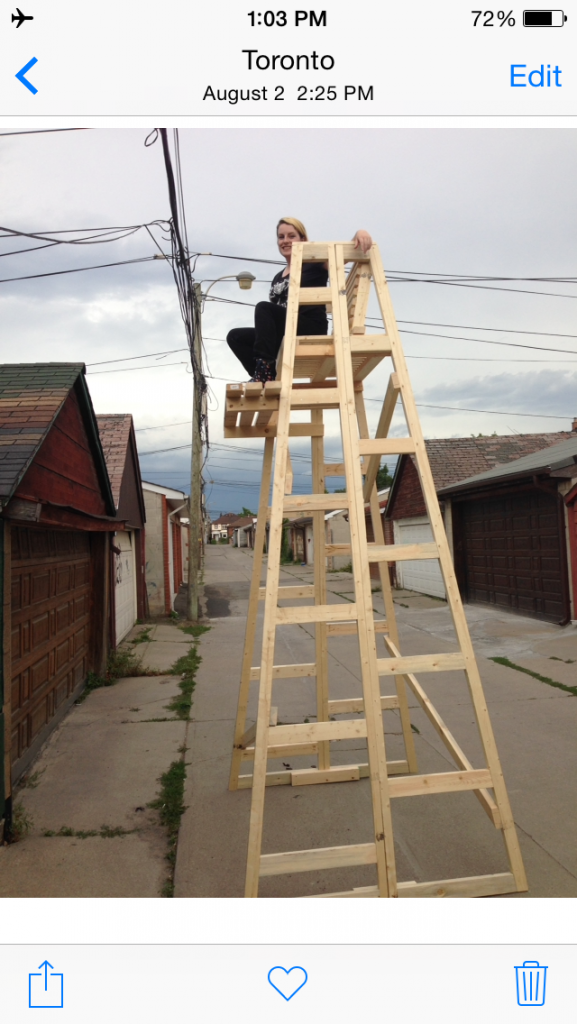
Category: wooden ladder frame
<point>349,355</point>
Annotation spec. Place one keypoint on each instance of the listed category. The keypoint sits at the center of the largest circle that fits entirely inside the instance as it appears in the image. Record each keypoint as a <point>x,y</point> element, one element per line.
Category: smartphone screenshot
<point>288,509</point>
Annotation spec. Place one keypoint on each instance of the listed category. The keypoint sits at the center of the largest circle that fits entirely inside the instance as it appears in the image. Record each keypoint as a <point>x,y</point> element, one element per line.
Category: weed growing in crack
<point>170,805</point>
<point>535,675</point>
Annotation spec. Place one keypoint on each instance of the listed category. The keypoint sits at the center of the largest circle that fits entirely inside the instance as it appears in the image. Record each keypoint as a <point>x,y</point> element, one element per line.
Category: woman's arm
<point>362,240</point>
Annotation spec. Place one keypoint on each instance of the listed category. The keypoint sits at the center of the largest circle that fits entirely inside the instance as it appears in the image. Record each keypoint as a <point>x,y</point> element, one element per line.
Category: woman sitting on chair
<point>257,347</point>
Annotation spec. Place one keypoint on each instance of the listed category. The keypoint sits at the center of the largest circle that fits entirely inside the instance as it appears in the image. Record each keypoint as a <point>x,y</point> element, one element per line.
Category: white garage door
<point>423,576</point>
<point>125,587</point>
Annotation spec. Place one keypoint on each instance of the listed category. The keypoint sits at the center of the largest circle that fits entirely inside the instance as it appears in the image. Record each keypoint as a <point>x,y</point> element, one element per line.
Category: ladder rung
<point>401,552</point>
<point>317,732</point>
<point>315,296</point>
<point>350,628</point>
<point>387,446</point>
<point>270,430</point>
<point>314,502</point>
<point>284,778</point>
<point>357,704</point>
<point>317,776</point>
<point>476,885</point>
<point>315,613</point>
<point>311,860</point>
<point>320,251</point>
<point>284,750</point>
<point>316,398</point>
<point>292,592</point>
<point>420,663</point>
<point>441,782</point>
<point>337,549</point>
<point>249,736</point>
<point>370,344</point>
<point>287,671</point>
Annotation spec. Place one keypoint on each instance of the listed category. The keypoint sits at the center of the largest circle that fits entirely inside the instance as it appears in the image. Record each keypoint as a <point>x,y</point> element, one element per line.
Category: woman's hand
<point>362,240</point>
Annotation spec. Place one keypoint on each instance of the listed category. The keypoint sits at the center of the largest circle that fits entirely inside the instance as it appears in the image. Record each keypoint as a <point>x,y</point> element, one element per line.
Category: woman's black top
<point>312,319</point>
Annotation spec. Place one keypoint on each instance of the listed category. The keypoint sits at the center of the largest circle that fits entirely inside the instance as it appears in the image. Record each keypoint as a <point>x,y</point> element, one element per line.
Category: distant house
<point>451,459</point>
<point>514,532</point>
<point>220,527</point>
<point>57,515</point>
<point>128,597</point>
<point>239,530</point>
<point>166,545</point>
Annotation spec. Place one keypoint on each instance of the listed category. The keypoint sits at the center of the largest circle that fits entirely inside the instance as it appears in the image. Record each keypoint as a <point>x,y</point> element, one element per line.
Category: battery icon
<point>544,19</point>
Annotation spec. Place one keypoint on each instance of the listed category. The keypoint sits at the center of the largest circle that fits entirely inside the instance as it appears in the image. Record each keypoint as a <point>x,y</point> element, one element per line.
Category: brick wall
<point>408,498</point>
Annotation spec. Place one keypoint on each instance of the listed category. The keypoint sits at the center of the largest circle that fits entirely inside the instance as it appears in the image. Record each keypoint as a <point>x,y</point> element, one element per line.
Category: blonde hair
<point>296,224</point>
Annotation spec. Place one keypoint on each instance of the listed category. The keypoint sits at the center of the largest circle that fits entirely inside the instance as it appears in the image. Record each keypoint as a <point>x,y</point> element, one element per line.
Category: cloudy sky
<point>479,197</point>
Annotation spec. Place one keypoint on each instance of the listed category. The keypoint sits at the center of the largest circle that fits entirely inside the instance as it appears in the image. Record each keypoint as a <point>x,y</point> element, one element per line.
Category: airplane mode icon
<point>20,18</point>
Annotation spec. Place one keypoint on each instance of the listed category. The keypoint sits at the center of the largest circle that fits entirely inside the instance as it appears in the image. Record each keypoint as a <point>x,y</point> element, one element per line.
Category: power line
<point>77,270</point>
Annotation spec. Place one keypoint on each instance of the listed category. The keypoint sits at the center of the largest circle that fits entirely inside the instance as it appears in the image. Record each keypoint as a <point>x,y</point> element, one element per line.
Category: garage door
<point>50,626</point>
<point>513,554</point>
<point>423,576</point>
<point>125,588</point>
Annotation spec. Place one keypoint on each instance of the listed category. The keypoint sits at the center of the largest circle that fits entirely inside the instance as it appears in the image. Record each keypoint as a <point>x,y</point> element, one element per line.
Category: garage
<point>125,584</point>
<point>50,626</point>
<point>424,575</point>
<point>513,555</point>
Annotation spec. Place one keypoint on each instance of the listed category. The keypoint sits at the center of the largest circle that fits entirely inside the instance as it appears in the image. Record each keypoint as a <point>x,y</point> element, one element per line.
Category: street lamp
<point>244,278</point>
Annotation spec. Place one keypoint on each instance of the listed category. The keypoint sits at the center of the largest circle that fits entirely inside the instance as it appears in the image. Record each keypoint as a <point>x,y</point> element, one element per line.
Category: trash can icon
<point>531,979</point>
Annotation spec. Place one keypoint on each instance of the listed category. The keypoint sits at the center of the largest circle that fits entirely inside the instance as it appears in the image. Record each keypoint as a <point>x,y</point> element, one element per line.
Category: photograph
<point>297,619</point>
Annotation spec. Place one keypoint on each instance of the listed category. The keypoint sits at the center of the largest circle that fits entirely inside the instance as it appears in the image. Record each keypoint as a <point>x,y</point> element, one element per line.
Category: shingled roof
<point>555,457</point>
<point>31,397</point>
<point>455,458</point>
<point>114,432</point>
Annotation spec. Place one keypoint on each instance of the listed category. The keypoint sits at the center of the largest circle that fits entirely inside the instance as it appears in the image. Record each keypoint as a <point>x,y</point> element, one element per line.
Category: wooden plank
<point>351,629</point>
<point>313,251</point>
<point>295,430</point>
<point>286,671</point>
<point>317,776</point>
<point>356,705</point>
<point>314,860</point>
<point>284,750</point>
<point>271,779</point>
<point>383,426</point>
<point>456,888</point>
<point>387,446</point>
<point>440,782</point>
<point>402,552</point>
<point>314,296</point>
<point>338,549</point>
<point>312,502</point>
<point>420,663</point>
<point>370,345</point>
<point>316,398</point>
<point>315,613</point>
<point>289,592</point>
<point>317,731</point>
<point>248,737</point>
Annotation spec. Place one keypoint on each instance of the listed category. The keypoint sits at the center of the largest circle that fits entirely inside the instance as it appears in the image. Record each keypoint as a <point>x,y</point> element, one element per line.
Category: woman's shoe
<point>263,372</point>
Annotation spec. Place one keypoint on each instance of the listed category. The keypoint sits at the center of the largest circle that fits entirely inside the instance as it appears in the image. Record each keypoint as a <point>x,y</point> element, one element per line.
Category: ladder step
<point>401,552</point>
<point>315,296</point>
<point>441,782</point>
<point>357,704</point>
<point>315,613</point>
<point>249,736</point>
<point>420,663</point>
<point>292,592</point>
<point>284,750</point>
<point>387,446</point>
<point>287,671</point>
<point>351,629</point>
<point>316,776</point>
<point>337,549</point>
<point>270,430</point>
<point>314,502</point>
<point>284,778</point>
<point>315,398</point>
<point>311,860</point>
<point>317,732</point>
<point>477,885</point>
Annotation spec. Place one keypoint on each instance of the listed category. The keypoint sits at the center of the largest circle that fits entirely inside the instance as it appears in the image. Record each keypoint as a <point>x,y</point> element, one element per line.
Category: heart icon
<point>287,983</point>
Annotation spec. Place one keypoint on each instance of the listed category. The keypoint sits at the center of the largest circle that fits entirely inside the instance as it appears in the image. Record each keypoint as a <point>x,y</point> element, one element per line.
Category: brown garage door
<point>513,554</point>
<point>50,626</point>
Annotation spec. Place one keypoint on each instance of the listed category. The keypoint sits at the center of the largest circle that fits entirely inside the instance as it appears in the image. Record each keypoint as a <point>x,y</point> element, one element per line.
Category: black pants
<point>264,340</point>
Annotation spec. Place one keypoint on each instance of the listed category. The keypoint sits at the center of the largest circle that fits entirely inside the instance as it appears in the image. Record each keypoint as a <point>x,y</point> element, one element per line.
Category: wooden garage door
<point>50,626</point>
<point>513,554</point>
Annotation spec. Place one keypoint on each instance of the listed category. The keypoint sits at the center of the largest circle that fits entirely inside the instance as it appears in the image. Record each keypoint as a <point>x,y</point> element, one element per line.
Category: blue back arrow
<point>20,75</point>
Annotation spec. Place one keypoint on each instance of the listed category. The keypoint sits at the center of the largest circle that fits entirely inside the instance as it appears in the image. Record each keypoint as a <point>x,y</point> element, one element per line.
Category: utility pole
<point>196,517</point>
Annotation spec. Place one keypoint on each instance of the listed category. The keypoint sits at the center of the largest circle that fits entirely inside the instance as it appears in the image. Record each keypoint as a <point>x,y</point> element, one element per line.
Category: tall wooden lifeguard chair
<point>318,374</point>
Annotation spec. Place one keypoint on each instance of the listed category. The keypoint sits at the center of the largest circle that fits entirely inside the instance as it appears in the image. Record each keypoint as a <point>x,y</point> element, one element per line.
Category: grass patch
<point>143,637</point>
<point>566,661</point>
<point>104,832</point>
<point>536,675</point>
<point>122,663</point>
<point>170,805</point>
<point>20,824</point>
<point>194,631</point>
<point>33,780</point>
